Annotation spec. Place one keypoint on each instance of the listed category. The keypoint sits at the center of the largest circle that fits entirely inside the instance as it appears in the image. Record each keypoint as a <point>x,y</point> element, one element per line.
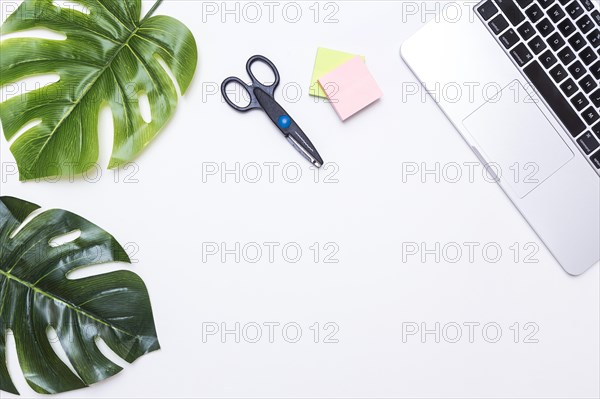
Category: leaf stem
<point>152,10</point>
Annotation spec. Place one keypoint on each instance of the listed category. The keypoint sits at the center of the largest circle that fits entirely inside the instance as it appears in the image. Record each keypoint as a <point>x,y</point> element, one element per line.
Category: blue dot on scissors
<point>284,121</point>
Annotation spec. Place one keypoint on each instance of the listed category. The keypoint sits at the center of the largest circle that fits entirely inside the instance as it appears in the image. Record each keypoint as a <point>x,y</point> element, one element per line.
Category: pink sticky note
<point>350,88</point>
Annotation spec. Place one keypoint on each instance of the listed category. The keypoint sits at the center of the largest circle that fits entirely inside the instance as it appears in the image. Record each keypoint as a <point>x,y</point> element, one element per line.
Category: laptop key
<point>587,4</point>
<point>555,99</point>
<point>556,41</point>
<point>595,97</point>
<point>545,27</point>
<point>524,3</point>
<point>595,70</point>
<point>534,13</point>
<point>577,41</point>
<point>548,59</point>
<point>588,56</point>
<point>512,12</point>
<point>580,101</point>
<point>594,38</point>
<point>556,13</point>
<point>566,56</point>
<point>585,24</point>
<point>546,3</point>
<point>487,10</point>
<point>588,84</point>
<point>577,70</point>
<point>596,17</point>
<point>509,38</point>
<point>596,130</point>
<point>591,116</point>
<point>574,10</point>
<point>558,73</point>
<point>566,27</point>
<point>498,24</point>
<point>521,54</point>
<point>588,143</point>
<point>537,45</point>
<point>596,159</point>
<point>569,87</point>
<point>526,31</point>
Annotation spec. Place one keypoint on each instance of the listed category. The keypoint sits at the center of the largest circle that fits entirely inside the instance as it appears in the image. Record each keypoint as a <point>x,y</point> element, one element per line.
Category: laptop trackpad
<point>517,140</point>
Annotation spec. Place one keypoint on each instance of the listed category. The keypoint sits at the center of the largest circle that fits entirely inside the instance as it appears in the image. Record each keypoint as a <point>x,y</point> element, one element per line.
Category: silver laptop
<point>530,109</point>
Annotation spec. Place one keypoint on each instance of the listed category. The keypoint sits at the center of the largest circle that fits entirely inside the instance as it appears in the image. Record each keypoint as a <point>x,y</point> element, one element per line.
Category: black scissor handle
<point>269,89</point>
<point>249,89</point>
<point>256,84</point>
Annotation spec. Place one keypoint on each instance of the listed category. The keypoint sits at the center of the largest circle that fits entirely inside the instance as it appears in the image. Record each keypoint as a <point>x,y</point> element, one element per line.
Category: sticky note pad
<point>350,88</point>
<point>327,60</point>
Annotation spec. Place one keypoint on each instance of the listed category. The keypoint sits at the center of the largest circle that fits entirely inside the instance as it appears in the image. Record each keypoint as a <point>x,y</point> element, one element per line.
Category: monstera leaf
<point>110,57</point>
<point>36,295</point>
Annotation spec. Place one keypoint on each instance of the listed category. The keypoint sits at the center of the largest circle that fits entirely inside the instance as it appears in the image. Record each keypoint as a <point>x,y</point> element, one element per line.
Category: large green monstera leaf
<point>35,295</point>
<point>110,57</point>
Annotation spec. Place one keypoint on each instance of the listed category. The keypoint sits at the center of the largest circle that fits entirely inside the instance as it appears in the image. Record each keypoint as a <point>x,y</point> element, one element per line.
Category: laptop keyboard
<point>556,44</point>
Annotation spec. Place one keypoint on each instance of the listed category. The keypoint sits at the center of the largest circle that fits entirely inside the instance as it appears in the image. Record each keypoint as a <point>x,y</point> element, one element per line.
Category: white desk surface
<point>169,209</point>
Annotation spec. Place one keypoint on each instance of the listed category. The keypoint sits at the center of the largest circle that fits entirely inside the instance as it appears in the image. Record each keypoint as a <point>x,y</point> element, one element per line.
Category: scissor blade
<point>306,154</point>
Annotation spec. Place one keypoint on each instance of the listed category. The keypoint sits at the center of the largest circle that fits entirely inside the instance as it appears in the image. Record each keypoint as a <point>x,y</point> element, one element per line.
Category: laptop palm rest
<point>514,136</point>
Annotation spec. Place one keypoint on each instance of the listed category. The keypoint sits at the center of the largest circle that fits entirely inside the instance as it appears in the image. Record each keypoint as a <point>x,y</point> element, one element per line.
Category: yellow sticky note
<point>327,61</point>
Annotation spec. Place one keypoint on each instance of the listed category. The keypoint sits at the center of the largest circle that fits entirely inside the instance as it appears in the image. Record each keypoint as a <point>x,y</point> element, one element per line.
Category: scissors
<point>261,97</point>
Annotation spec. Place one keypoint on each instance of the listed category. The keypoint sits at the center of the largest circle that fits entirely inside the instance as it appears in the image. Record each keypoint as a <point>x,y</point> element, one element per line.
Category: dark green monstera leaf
<point>35,295</point>
<point>110,57</point>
